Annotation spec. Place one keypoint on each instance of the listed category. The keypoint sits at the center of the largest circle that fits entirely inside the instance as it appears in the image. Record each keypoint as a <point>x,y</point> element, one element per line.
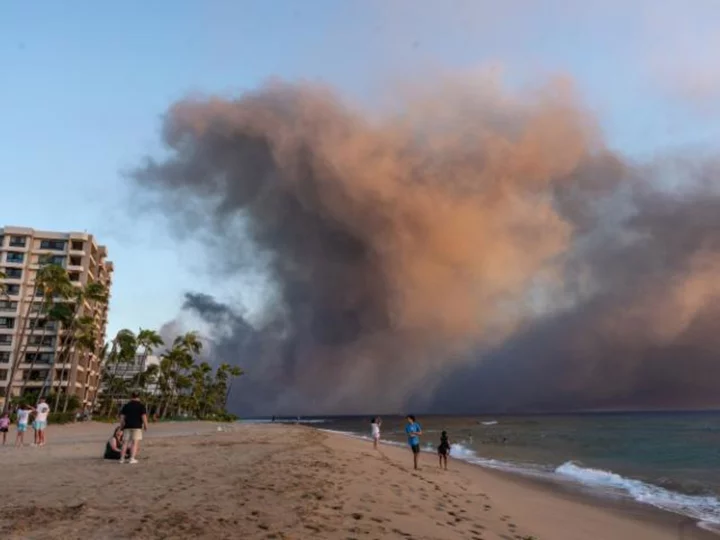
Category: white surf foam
<point>705,509</point>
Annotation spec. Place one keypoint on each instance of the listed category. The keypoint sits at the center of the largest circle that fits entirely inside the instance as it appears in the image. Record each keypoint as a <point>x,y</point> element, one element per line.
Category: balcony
<point>17,242</point>
<point>52,245</point>
<point>14,257</point>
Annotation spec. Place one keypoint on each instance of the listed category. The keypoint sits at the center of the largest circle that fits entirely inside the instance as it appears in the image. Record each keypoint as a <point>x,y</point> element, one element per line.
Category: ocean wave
<point>705,509</point>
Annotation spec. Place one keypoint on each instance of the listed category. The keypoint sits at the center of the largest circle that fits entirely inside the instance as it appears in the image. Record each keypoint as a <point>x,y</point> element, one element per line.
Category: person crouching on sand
<point>413,431</point>
<point>375,431</point>
<point>113,447</point>
<point>444,449</point>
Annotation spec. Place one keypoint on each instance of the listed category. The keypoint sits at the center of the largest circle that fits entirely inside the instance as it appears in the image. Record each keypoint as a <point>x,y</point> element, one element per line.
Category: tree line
<point>179,384</point>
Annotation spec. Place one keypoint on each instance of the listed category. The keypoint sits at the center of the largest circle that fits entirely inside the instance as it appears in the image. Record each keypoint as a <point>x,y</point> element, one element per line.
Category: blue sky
<point>83,87</point>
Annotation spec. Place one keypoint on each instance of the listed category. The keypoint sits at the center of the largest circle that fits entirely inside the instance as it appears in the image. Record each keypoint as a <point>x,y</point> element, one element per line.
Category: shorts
<point>39,425</point>
<point>443,450</point>
<point>21,428</point>
<point>3,430</point>
<point>131,435</point>
<point>415,448</point>
<point>376,437</point>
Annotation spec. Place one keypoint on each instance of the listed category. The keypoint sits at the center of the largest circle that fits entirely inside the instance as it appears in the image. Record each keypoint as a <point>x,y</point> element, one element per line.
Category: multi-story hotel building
<point>22,250</point>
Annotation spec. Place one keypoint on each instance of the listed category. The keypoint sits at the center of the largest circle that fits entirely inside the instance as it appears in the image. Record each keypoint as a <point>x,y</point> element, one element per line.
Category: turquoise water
<point>668,460</point>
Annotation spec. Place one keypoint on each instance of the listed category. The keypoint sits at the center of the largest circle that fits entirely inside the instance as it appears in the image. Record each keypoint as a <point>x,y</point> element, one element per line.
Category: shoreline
<point>226,481</point>
<point>565,487</point>
<point>571,492</point>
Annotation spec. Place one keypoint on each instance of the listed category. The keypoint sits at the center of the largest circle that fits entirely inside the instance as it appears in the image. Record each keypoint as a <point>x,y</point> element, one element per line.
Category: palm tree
<point>173,366</point>
<point>53,282</point>
<point>148,340</point>
<point>189,341</point>
<point>122,352</point>
<point>84,341</point>
<point>200,378</point>
<point>3,286</point>
<point>146,379</point>
<point>69,316</point>
<point>233,372</point>
<point>102,358</point>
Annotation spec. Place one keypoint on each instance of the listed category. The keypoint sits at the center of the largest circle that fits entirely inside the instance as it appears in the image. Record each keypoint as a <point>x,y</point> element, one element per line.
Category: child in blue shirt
<point>413,431</point>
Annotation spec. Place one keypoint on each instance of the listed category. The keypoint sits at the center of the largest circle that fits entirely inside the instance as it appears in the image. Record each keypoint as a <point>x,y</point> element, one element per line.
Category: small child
<point>375,431</point>
<point>444,450</point>
<point>4,426</point>
<point>23,416</point>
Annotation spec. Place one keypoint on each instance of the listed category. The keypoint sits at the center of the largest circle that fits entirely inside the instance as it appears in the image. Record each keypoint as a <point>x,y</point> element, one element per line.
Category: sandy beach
<point>289,482</point>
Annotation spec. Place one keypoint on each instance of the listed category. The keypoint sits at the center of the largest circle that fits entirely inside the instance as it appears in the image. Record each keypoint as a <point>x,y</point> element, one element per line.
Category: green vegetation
<point>180,386</point>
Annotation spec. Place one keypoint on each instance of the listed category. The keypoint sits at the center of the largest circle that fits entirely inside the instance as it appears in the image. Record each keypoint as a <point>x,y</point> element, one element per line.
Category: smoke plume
<point>477,248</point>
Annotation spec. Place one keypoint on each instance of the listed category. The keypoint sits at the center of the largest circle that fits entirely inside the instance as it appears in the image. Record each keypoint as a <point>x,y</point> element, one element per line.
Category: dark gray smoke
<point>476,250</point>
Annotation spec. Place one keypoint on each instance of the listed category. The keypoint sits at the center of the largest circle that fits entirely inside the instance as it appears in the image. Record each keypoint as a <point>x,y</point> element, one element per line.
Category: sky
<point>84,86</point>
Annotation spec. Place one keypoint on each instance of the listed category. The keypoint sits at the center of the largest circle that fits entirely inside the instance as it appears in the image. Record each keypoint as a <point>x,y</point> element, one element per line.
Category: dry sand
<point>274,481</point>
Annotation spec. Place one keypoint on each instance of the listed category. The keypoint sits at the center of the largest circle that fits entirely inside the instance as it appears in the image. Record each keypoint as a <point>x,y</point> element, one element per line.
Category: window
<point>44,324</point>
<point>55,245</point>
<point>74,276</point>
<point>45,341</point>
<point>8,305</point>
<point>60,375</point>
<point>51,259</point>
<point>39,358</point>
<point>75,261</point>
<point>12,290</point>
<point>3,374</point>
<point>35,375</point>
<point>14,257</point>
<point>17,241</point>
<point>77,245</point>
<point>5,339</point>
<point>7,322</point>
<point>4,357</point>
<point>13,273</point>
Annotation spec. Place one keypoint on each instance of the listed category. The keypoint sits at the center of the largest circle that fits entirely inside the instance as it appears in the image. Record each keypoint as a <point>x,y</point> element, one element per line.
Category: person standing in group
<point>413,431</point>
<point>4,427</point>
<point>40,423</point>
<point>23,415</point>
<point>133,421</point>
<point>375,431</point>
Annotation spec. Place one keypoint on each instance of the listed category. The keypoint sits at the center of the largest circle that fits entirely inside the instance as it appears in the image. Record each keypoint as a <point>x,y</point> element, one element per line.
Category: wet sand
<point>288,482</point>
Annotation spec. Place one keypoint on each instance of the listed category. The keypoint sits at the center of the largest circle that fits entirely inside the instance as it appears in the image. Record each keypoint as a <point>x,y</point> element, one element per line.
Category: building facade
<point>139,365</point>
<point>22,250</point>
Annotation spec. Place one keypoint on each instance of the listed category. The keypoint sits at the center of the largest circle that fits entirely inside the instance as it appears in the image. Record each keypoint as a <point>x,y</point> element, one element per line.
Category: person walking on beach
<point>133,421</point>
<point>40,423</point>
<point>413,431</point>
<point>375,430</point>
<point>23,415</point>
<point>4,426</point>
<point>444,449</point>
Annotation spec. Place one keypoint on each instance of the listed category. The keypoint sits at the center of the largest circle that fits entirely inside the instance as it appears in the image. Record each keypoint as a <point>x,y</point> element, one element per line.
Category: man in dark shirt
<point>133,420</point>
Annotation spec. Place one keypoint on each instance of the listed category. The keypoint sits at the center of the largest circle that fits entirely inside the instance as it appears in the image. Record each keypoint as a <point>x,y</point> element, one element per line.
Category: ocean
<point>667,460</point>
